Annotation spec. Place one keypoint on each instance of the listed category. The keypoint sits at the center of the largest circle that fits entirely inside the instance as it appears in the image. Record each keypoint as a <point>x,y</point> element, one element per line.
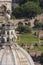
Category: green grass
<point>39,48</point>
<point>36,48</point>
<point>27,39</point>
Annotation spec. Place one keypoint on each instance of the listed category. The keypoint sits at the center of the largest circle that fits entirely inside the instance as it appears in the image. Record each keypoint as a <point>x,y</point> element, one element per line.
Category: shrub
<point>23,29</point>
<point>27,29</point>
<point>35,44</point>
<point>20,28</point>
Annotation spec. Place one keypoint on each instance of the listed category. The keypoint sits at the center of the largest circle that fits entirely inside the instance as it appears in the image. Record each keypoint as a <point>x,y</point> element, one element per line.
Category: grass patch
<point>38,48</point>
<point>27,39</point>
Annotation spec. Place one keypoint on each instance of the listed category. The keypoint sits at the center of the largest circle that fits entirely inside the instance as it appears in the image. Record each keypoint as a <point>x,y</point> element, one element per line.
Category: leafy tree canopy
<point>24,1</point>
<point>29,9</point>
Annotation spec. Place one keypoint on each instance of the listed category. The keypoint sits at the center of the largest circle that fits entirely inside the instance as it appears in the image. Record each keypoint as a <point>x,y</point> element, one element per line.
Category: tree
<point>17,12</point>
<point>24,1</point>
<point>31,9</point>
<point>41,3</point>
<point>21,1</point>
<point>35,1</point>
<point>27,10</point>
